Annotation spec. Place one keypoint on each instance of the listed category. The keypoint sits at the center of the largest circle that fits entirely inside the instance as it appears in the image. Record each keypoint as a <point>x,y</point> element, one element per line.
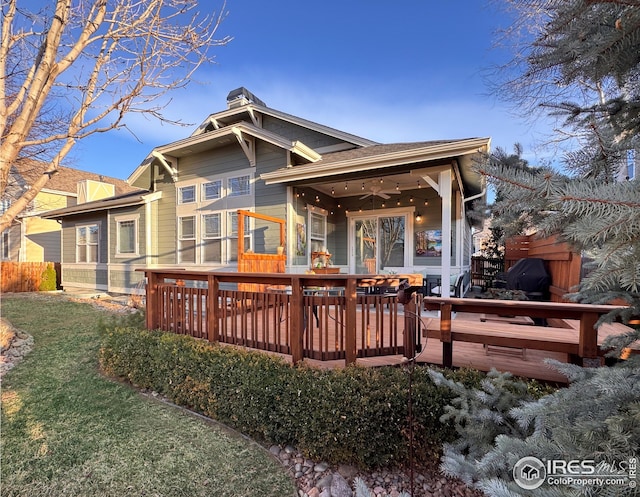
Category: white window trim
<point>88,225</point>
<point>225,204</point>
<point>220,191</point>
<point>311,210</point>
<point>228,181</point>
<point>195,194</point>
<point>136,219</point>
<point>220,237</point>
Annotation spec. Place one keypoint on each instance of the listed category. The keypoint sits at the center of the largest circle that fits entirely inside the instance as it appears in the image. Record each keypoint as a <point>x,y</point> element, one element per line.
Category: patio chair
<point>455,288</point>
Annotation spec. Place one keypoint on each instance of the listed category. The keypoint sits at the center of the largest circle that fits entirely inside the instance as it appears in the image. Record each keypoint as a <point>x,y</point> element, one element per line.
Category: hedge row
<point>353,415</point>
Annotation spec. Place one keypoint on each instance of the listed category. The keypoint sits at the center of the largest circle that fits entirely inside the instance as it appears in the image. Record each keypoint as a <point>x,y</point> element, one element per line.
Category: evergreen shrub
<point>352,415</point>
<point>48,281</point>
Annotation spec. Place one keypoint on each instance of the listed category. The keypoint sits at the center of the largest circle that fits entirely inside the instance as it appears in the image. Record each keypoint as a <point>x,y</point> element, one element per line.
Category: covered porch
<point>384,209</point>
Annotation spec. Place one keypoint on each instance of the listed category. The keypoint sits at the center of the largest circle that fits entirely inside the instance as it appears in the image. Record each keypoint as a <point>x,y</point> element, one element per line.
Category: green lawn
<point>67,431</point>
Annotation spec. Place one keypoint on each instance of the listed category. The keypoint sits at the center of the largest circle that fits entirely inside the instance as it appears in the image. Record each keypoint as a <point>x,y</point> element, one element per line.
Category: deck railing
<point>324,317</point>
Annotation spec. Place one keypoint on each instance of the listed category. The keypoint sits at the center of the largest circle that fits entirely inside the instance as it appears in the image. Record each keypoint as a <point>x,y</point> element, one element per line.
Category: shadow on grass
<point>68,431</point>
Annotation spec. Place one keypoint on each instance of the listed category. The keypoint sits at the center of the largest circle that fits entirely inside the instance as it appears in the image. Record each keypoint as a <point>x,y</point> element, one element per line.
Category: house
<point>373,207</point>
<point>31,238</point>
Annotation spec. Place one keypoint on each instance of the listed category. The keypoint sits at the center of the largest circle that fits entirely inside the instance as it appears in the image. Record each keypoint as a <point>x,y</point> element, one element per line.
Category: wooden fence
<point>563,264</point>
<point>24,276</point>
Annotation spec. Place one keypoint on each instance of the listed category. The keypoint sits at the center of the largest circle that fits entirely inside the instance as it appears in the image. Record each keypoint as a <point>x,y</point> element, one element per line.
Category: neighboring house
<point>32,238</point>
<point>375,207</point>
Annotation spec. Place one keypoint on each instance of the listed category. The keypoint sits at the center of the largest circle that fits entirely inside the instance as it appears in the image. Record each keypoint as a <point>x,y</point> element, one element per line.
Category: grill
<point>529,276</point>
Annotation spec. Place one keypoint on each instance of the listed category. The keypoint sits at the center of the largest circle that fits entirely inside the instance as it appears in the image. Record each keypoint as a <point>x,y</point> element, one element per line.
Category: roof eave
<point>430,153</point>
<point>99,205</point>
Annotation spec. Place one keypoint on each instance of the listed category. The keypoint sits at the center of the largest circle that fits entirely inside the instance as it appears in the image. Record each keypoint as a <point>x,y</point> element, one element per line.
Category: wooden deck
<point>327,321</point>
<point>525,363</point>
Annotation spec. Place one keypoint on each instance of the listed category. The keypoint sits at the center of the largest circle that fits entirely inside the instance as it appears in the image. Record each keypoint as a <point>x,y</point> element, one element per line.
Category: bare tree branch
<point>94,62</point>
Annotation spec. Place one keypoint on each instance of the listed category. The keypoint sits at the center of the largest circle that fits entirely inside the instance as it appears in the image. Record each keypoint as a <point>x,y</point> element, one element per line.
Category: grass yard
<point>67,431</point>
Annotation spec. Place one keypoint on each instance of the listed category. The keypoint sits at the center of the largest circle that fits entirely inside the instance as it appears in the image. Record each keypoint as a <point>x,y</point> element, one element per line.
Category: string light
<point>346,186</point>
<point>333,191</point>
<point>397,186</point>
<point>398,203</point>
<point>411,199</point>
<point>363,186</point>
<point>419,185</point>
<point>426,202</point>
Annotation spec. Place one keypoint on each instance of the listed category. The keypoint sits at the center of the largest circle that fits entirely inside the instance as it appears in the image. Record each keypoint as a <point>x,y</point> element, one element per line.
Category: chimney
<point>241,96</point>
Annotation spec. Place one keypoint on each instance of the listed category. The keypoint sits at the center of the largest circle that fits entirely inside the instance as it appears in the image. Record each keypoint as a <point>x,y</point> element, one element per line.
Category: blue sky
<point>411,71</point>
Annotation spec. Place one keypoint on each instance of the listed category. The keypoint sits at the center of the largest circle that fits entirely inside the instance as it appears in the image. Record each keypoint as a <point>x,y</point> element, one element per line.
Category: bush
<point>596,418</point>
<point>353,415</point>
<point>48,282</point>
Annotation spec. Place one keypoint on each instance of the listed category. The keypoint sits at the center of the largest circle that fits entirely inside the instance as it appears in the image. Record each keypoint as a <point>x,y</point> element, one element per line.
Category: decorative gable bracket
<point>166,164</point>
<point>248,144</point>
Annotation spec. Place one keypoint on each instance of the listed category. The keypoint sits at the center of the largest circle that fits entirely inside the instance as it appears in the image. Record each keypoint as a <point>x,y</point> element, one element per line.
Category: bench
<point>503,335</point>
<point>580,341</point>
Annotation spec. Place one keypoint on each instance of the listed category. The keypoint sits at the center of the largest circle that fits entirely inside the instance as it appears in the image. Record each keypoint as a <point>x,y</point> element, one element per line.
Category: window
<point>232,235</point>
<point>5,203</point>
<point>4,245</point>
<point>212,237</point>
<point>127,235</point>
<point>212,190</point>
<point>187,239</point>
<point>87,239</point>
<point>318,230</point>
<point>206,217</point>
<point>187,194</point>
<point>239,186</point>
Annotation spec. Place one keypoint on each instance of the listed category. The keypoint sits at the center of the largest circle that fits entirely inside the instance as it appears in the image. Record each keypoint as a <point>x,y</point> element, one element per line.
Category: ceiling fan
<point>376,191</point>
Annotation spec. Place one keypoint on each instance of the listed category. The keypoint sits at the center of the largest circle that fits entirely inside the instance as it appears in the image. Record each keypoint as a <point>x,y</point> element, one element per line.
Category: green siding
<point>125,278</point>
<point>166,221</point>
<point>69,235</point>
<point>113,239</point>
<point>294,132</point>
<point>270,200</point>
<point>84,276</point>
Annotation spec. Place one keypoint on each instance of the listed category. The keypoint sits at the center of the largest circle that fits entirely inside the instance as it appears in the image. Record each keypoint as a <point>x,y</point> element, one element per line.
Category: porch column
<point>444,186</point>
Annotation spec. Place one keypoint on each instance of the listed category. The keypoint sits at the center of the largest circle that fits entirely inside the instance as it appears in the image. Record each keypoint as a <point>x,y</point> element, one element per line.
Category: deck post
<point>152,308</point>
<point>588,342</point>
<point>409,333</point>
<point>213,309</point>
<point>445,335</point>
<point>297,321</point>
<point>351,301</point>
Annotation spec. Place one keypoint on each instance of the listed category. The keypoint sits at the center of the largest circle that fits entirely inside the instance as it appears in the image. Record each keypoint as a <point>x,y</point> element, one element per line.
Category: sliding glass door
<point>377,243</point>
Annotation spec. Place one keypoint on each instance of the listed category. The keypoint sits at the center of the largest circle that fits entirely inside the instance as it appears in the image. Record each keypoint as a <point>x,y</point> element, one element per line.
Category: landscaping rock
<point>14,345</point>
<point>340,487</point>
<point>382,482</point>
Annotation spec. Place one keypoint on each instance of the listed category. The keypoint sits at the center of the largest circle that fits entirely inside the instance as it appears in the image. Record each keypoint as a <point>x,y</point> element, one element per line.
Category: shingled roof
<point>65,179</point>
